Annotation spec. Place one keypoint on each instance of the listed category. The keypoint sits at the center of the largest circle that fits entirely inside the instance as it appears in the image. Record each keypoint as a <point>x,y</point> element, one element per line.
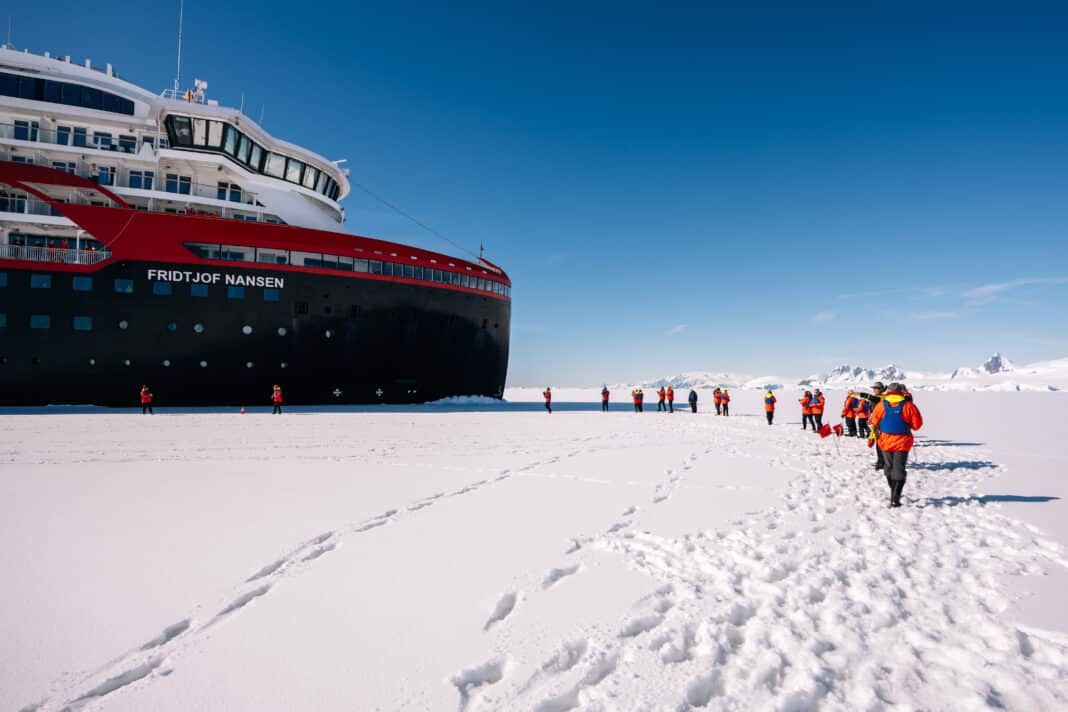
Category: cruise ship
<point>162,239</point>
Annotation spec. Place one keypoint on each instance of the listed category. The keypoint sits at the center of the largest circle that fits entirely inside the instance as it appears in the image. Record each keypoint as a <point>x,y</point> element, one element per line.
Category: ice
<point>487,556</point>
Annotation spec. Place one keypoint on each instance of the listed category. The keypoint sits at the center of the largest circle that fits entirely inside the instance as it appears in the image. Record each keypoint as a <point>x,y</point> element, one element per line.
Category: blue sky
<point>674,187</point>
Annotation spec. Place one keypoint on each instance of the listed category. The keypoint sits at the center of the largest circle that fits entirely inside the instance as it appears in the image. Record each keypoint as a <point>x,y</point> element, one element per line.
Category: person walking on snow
<point>717,398</point>
<point>146,401</point>
<point>896,418</point>
<point>725,402</point>
<point>817,405</point>
<point>878,390</point>
<point>693,400</point>
<point>863,411</point>
<point>660,395</point>
<point>548,395</point>
<point>276,398</point>
<point>769,406</point>
<point>671,399</point>
<point>604,399</point>
<point>849,413</point>
<point>806,411</point>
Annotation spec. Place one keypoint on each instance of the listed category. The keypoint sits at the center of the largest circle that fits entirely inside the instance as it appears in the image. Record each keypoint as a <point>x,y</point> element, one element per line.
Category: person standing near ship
<point>717,398</point>
<point>276,399</point>
<point>769,406</point>
<point>604,399</point>
<point>548,395</point>
<point>146,401</point>
<point>660,396</point>
<point>693,400</point>
<point>671,399</point>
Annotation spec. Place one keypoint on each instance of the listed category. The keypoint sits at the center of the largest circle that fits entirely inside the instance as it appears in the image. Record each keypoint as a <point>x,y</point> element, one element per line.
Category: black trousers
<point>851,426</point>
<point>671,406</point>
<point>660,406</point>
<point>146,408</point>
<point>726,409</point>
<point>277,409</point>
<point>604,406</point>
<point>771,416</point>
<point>641,407</point>
<point>880,458</point>
<point>806,418</point>
<point>894,465</point>
<point>862,427</point>
<point>817,420</point>
<point>719,409</point>
<point>548,406</point>
<point>693,406</point>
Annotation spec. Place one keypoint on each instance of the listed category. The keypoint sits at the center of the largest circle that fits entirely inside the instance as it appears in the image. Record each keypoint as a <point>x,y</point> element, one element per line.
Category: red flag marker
<point>838,430</point>
<point>825,431</point>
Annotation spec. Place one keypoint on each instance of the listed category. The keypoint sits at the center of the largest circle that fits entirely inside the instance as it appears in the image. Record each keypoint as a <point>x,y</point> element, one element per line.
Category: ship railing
<point>53,254</point>
<point>26,206</point>
<point>36,134</point>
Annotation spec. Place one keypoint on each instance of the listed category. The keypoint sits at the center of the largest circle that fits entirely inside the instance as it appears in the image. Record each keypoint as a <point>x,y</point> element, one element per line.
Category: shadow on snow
<point>985,499</point>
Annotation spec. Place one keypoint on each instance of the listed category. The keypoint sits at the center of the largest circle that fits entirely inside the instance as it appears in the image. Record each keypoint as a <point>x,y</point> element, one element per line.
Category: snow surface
<point>437,558</point>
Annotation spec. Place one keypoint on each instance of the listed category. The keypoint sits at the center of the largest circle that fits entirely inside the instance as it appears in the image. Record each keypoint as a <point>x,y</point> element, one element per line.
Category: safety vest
<point>769,403</point>
<point>725,397</point>
<point>893,421</point>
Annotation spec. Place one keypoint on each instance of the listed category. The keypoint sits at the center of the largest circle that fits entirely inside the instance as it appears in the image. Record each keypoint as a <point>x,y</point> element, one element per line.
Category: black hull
<point>346,340</point>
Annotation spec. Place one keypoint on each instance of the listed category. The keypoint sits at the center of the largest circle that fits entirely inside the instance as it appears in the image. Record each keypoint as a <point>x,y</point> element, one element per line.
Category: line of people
<point>147,398</point>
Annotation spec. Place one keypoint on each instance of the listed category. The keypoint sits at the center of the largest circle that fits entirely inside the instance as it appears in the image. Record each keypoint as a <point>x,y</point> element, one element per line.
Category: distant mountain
<point>995,364</point>
<point>851,376</point>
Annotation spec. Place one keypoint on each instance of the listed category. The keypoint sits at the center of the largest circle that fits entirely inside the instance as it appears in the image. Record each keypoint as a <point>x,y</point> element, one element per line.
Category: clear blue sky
<point>674,187</point>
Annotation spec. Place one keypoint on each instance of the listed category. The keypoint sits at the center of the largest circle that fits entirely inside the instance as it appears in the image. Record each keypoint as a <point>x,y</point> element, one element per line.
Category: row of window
<point>44,321</point>
<point>40,89</point>
<point>219,136</point>
<point>80,137</point>
<point>166,363</point>
<point>272,256</point>
<point>81,283</point>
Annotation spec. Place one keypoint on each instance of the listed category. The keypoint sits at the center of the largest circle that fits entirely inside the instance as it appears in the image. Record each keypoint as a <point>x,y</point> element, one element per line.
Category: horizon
<point>700,185</point>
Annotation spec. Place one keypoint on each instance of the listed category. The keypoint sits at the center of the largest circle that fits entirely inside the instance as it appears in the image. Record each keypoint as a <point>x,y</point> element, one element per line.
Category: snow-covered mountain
<point>995,364</point>
<point>855,376</point>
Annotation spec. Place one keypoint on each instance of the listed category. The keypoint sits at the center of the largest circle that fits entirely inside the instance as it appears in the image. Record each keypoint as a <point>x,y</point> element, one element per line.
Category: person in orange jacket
<point>146,401</point>
<point>895,418</point>
<point>717,398</point>
<point>604,399</point>
<point>819,401</point>
<point>660,395</point>
<point>849,413</point>
<point>806,411</point>
<point>548,396</point>
<point>863,411</point>
<point>671,399</point>
<point>725,401</point>
<point>769,406</point>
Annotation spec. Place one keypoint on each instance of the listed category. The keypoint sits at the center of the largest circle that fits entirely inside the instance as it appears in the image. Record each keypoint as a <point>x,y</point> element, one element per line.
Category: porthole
<point>166,363</point>
<point>246,329</point>
<point>126,362</point>
<point>249,364</point>
<point>172,326</point>
<point>198,327</point>
<point>124,324</point>
<point>282,331</point>
<point>203,364</point>
<point>285,364</point>
<point>328,334</point>
<point>92,362</point>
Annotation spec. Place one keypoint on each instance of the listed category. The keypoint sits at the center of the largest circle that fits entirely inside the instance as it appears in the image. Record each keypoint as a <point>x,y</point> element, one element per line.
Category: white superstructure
<point>158,152</point>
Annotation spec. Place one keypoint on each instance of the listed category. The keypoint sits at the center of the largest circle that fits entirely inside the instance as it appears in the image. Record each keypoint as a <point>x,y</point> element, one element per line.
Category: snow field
<point>514,560</point>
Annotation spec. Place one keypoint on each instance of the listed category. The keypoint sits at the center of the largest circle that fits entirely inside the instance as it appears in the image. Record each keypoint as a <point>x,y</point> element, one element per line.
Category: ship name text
<point>233,280</point>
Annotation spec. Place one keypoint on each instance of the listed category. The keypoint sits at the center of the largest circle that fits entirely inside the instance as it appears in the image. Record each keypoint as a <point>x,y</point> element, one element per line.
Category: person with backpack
<point>849,413</point>
<point>878,393</point>
<point>819,401</point>
<point>863,411</point>
<point>725,402</point>
<point>769,406</point>
<point>604,399</point>
<point>693,400</point>
<point>806,411</point>
<point>896,418</point>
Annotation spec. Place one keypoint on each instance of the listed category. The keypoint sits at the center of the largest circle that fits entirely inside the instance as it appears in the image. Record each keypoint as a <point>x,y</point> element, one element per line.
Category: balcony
<point>53,254</point>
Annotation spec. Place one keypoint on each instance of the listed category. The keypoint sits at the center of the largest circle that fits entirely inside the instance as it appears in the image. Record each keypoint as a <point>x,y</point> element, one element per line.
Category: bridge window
<point>41,281</point>
<point>142,179</point>
<point>293,169</point>
<point>183,131</point>
<point>178,184</point>
<point>275,165</point>
<point>80,137</point>
<point>215,132</point>
<point>229,139</point>
<point>200,132</point>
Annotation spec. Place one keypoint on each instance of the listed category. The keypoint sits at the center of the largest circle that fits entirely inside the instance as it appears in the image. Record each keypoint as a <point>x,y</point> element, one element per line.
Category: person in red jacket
<point>548,395</point>
<point>725,402</point>
<point>895,419</point>
<point>863,411</point>
<point>717,398</point>
<point>660,395</point>
<point>819,401</point>
<point>849,413</point>
<point>146,401</point>
<point>604,399</point>
<point>276,399</point>
<point>769,406</point>
<point>806,411</point>
<point>671,399</point>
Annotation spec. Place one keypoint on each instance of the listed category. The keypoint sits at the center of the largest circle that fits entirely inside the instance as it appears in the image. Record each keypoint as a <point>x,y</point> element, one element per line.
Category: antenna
<point>9,45</point>
<point>260,122</point>
<point>242,109</point>
<point>178,74</point>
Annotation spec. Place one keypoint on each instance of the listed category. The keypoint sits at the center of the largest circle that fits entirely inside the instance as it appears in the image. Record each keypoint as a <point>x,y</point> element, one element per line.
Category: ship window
<point>387,269</point>
<point>182,133</point>
<point>230,139</point>
<point>63,135</point>
<point>344,263</point>
<point>275,165</point>
<point>172,326</point>
<point>124,286</point>
<point>83,284</point>
<point>256,158</point>
<point>235,292</point>
<point>272,295</point>
<point>376,267</point>
<point>3,321</point>
<point>102,139</point>
<point>26,130</point>
<point>124,325</point>
<point>80,137</point>
<point>198,328</point>
<point>306,259</point>
<point>198,290</point>
<point>64,166</point>
<point>164,289</point>
<point>360,265</point>
<point>329,261</point>
<point>243,148</point>
<point>249,364</point>
<point>128,143</point>
<point>300,308</point>
<point>40,321</point>
<point>293,169</point>
<point>105,175</point>
<point>310,174</point>
<point>246,329</point>
<point>70,94</point>
<point>41,281</point>
<point>203,364</point>
<point>229,191</point>
<point>3,279</point>
<point>178,184</point>
<point>200,132</point>
<point>271,256</point>
<point>142,179</point>
<point>203,251</point>
<point>215,131</point>
<point>419,273</point>
<point>320,184</point>
<point>83,323</point>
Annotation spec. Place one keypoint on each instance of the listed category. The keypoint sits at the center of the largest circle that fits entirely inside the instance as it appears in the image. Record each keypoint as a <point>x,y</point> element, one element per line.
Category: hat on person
<point>895,387</point>
<point>879,385</point>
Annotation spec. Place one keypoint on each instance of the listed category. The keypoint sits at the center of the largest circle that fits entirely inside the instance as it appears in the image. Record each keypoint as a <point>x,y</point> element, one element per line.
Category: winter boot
<point>895,495</point>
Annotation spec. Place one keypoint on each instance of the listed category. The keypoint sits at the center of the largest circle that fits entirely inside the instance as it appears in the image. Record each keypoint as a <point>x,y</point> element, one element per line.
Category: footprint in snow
<point>555,575</point>
<point>505,606</point>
